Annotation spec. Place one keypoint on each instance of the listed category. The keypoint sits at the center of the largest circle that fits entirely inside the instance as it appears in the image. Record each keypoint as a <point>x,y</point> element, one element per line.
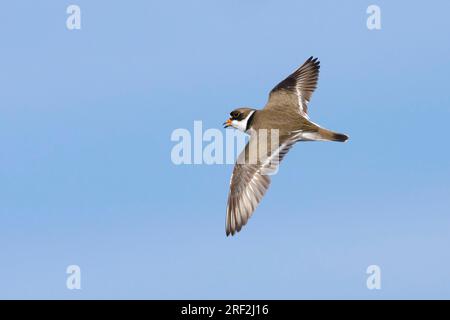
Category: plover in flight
<point>286,112</point>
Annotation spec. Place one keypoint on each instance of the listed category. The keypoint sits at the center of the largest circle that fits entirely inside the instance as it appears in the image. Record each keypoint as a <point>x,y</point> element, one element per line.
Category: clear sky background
<point>86,176</point>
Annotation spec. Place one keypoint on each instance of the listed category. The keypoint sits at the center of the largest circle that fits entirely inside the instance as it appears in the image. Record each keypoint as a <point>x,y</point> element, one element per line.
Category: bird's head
<point>239,119</point>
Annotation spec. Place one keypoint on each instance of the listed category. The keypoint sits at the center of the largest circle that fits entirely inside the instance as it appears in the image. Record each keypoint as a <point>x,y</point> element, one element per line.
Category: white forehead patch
<point>241,125</point>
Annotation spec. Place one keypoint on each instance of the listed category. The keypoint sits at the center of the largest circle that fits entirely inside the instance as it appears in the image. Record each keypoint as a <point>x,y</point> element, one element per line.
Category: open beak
<point>227,123</point>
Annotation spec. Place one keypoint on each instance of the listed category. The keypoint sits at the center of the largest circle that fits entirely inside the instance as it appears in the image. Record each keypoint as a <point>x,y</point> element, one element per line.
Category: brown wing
<point>296,90</point>
<point>249,182</point>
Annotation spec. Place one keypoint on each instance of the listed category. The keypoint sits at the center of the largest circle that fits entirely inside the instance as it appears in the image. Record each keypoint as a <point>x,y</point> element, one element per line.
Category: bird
<point>285,112</point>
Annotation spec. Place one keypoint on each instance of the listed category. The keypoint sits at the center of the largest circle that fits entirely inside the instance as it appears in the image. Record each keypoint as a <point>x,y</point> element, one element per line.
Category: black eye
<point>234,114</point>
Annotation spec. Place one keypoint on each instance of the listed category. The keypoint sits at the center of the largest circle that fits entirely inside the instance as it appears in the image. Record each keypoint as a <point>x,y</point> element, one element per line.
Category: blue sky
<point>86,175</point>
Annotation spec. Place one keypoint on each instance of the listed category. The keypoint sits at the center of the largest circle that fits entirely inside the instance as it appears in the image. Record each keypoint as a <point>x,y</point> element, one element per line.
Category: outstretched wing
<point>296,90</point>
<point>250,181</point>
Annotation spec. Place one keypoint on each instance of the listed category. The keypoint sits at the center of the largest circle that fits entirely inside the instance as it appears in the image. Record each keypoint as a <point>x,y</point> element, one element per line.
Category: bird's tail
<point>328,135</point>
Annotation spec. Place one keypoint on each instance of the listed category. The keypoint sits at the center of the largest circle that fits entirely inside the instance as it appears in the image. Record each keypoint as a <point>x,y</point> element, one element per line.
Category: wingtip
<point>314,60</point>
<point>228,230</point>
